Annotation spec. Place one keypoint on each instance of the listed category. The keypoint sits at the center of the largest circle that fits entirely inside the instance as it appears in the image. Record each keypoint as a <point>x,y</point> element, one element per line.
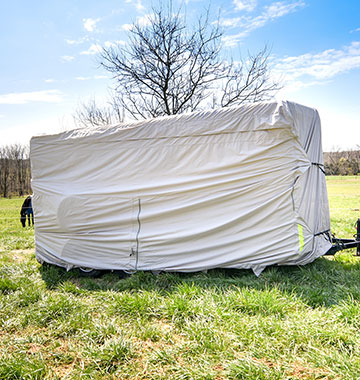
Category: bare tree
<point>14,170</point>
<point>19,156</point>
<point>5,171</point>
<point>166,69</point>
<point>91,114</point>
<point>340,162</point>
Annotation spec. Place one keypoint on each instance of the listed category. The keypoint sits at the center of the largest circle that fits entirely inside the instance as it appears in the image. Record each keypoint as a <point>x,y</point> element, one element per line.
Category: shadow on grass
<point>325,282</point>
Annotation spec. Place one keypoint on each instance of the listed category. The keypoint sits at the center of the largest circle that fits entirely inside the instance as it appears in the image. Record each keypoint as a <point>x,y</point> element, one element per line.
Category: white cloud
<point>109,44</point>
<point>231,22</point>
<point>137,3</point>
<point>101,77</point>
<point>340,129</point>
<point>76,42</point>
<point>144,20</point>
<point>141,21</point>
<point>93,49</point>
<point>94,77</point>
<point>83,78</point>
<point>90,24</point>
<point>50,80</point>
<point>127,27</point>
<point>245,5</point>
<point>279,9</point>
<point>67,58</point>
<point>22,131</point>
<point>139,6</point>
<point>319,66</point>
<point>47,96</point>
<point>249,23</point>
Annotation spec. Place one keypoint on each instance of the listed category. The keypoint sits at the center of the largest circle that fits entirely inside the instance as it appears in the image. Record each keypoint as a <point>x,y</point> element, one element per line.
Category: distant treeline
<point>15,174</point>
<point>342,162</point>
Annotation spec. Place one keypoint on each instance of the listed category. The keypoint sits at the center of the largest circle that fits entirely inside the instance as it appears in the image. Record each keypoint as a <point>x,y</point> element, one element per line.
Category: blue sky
<point>49,57</point>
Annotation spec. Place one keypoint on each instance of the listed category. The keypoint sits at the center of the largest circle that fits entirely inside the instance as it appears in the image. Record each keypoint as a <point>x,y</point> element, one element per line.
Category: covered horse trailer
<point>237,187</point>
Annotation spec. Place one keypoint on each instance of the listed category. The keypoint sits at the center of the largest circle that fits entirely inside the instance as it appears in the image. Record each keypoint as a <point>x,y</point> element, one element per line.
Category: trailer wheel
<point>88,272</point>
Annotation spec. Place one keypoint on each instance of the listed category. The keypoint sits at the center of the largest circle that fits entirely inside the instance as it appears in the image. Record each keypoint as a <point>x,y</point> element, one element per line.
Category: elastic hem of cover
<point>326,232</point>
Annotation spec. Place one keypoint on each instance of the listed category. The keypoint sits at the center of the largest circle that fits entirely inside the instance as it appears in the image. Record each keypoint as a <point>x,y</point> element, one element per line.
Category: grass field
<point>290,323</point>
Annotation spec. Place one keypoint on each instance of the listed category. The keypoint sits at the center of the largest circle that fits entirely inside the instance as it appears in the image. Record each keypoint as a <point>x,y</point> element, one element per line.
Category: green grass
<point>344,199</point>
<point>290,323</point>
<point>12,235</point>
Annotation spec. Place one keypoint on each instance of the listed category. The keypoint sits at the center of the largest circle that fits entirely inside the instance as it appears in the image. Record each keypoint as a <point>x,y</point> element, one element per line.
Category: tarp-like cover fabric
<point>232,188</point>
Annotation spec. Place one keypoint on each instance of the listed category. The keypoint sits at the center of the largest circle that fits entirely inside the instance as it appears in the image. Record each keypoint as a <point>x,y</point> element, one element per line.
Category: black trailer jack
<point>341,244</point>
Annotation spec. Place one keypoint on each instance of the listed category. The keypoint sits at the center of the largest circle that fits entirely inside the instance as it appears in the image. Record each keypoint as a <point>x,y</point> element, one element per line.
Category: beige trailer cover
<point>232,188</point>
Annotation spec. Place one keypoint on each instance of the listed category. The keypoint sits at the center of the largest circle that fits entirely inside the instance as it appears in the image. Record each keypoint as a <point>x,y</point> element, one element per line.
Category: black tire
<point>91,273</point>
<point>121,274</point>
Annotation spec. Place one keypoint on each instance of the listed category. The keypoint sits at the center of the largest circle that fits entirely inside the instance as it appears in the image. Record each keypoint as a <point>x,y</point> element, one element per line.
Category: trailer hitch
<point>341,244</point>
